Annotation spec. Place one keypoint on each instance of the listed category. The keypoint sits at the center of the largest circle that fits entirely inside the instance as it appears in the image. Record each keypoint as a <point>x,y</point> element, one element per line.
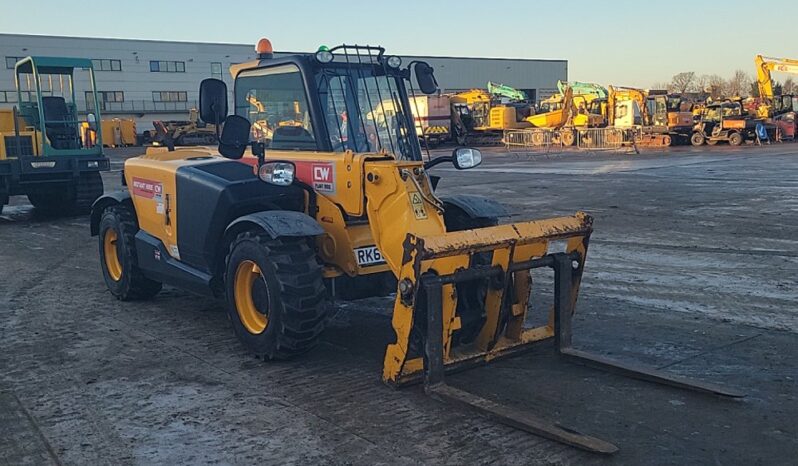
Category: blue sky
<point>614,42</point>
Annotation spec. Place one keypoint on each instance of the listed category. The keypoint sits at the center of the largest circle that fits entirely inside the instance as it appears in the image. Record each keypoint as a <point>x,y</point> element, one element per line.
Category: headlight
<point>465,157</point>
<point>324,56</point>
<point>394,61</point>
<point>277,173</point>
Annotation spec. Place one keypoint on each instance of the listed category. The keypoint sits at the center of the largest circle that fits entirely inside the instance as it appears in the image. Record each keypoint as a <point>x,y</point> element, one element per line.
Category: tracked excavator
<point>783,109</point>
<point>480,116</point>
<point>346,207</point>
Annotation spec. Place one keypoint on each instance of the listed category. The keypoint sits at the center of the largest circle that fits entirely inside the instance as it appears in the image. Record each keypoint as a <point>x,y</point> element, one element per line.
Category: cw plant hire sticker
<point>149,189</point>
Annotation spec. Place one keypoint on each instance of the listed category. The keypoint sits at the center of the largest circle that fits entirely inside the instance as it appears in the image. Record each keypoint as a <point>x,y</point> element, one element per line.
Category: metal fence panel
<point>528,138</point>
<point>608,138</point>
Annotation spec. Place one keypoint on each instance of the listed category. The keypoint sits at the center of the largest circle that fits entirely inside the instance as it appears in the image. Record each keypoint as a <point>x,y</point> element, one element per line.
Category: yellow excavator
<point>482,115</point>
<point>564,114</point>
<point>346,207</point>
<point>771,105</point>
<point>783,109</point>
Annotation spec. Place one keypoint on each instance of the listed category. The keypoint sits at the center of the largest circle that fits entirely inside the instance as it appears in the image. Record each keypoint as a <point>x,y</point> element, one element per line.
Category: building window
<point>106,96</point>
<point>216,70</point>
<point>8,97</point>
<point>170,96</point>
<point>12,61</point>
<point>106,64</point>
<point>167,66</point>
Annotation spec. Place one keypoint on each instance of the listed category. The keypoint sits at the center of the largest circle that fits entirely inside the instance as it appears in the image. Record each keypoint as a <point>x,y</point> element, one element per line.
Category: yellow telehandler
<point>343,205</point>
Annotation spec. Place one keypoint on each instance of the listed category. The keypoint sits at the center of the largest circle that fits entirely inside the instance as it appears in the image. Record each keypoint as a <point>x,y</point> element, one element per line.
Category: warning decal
<point>417,203</point>
<point>147,188</point>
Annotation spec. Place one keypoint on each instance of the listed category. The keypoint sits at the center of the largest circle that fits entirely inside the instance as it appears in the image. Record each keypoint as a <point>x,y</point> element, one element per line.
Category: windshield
<point>365,110</point>
<point>274,101</point>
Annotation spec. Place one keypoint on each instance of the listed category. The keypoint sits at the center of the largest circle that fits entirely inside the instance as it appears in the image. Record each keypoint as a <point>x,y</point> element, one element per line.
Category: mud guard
<point>104,201</point>
<point>276,223</point>
<point>476,206</point>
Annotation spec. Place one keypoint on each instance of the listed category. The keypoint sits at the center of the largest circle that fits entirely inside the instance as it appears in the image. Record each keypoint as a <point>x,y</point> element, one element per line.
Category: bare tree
<point>682,82</point>
<point>789,87</point>
<point>716,86</point>
<point>700,84</point>
<point>739,84</point>
<point>660,86</point>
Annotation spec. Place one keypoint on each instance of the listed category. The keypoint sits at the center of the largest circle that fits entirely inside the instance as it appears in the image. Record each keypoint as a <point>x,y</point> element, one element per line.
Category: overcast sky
<point>612,42</point>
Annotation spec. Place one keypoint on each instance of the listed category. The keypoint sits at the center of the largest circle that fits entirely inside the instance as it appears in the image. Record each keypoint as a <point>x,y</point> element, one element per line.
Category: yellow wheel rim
<point>112,263</point>
<point>247,277</point>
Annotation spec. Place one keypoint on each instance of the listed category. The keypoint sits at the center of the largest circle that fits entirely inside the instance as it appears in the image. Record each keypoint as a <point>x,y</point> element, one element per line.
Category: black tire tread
<point>140,287</point>
<point>302,292</point>
<point>89,188</point>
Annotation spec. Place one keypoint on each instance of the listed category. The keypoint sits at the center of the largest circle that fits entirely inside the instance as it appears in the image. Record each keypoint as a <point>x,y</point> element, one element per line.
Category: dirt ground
<point>693,268</point>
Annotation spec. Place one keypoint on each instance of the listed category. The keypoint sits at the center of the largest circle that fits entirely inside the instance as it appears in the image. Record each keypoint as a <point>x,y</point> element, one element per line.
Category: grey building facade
<point>159,80</point>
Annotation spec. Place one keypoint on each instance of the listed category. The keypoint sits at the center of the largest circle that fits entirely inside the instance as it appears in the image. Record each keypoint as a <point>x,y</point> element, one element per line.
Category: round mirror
<point>466,157</point>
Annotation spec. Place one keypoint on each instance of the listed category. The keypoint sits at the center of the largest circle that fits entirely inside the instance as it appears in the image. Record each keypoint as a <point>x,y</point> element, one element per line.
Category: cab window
<point>274,101</point>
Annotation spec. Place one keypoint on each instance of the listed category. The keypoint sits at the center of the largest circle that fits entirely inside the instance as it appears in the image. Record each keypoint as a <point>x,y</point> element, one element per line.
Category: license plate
<point>368,255</point>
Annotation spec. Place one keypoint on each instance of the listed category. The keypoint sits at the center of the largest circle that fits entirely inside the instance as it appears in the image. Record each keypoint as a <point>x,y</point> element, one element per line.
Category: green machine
<point>511,93</point>
<point>47,152</point>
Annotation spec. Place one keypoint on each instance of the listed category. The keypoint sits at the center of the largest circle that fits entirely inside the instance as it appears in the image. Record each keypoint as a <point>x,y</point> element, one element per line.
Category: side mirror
<point>426,78</point>
<point>91,119</point>
<point>465,157</point>
<point>213,101</point>
<point>235,137</point>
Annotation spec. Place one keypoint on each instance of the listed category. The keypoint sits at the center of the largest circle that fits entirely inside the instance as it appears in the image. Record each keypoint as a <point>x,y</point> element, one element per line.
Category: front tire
<point>697,139</point>
<point>118,257</point>
<point>275,294</point>
<point>470,295</point>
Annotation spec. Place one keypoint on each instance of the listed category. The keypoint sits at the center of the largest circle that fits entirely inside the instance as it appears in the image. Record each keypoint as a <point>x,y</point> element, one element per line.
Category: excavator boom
<point>511,93</point>
<point>764,80</point>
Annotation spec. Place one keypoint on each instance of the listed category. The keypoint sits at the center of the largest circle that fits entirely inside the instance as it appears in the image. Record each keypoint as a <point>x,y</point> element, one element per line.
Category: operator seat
<point>292,138</point>
<point>60,128</point>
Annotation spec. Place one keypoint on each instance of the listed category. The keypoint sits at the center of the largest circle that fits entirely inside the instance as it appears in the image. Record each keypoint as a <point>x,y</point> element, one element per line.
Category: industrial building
<point>159,80</point>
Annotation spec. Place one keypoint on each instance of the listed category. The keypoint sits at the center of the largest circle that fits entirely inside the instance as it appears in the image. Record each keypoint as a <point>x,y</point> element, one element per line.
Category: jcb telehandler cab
<point>333,198</point>
<point>42,150</point>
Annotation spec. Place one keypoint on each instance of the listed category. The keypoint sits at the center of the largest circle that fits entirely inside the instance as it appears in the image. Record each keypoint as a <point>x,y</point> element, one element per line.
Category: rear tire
<point>276,299</point>
<point>118,257</point>
<point>736,139</point>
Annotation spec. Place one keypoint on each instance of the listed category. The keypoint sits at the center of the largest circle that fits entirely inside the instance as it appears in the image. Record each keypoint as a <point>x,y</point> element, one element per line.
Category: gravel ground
<point>692,268</point>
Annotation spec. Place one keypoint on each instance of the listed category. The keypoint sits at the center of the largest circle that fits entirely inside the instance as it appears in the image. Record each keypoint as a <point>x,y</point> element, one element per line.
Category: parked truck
<point>432,117</point>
